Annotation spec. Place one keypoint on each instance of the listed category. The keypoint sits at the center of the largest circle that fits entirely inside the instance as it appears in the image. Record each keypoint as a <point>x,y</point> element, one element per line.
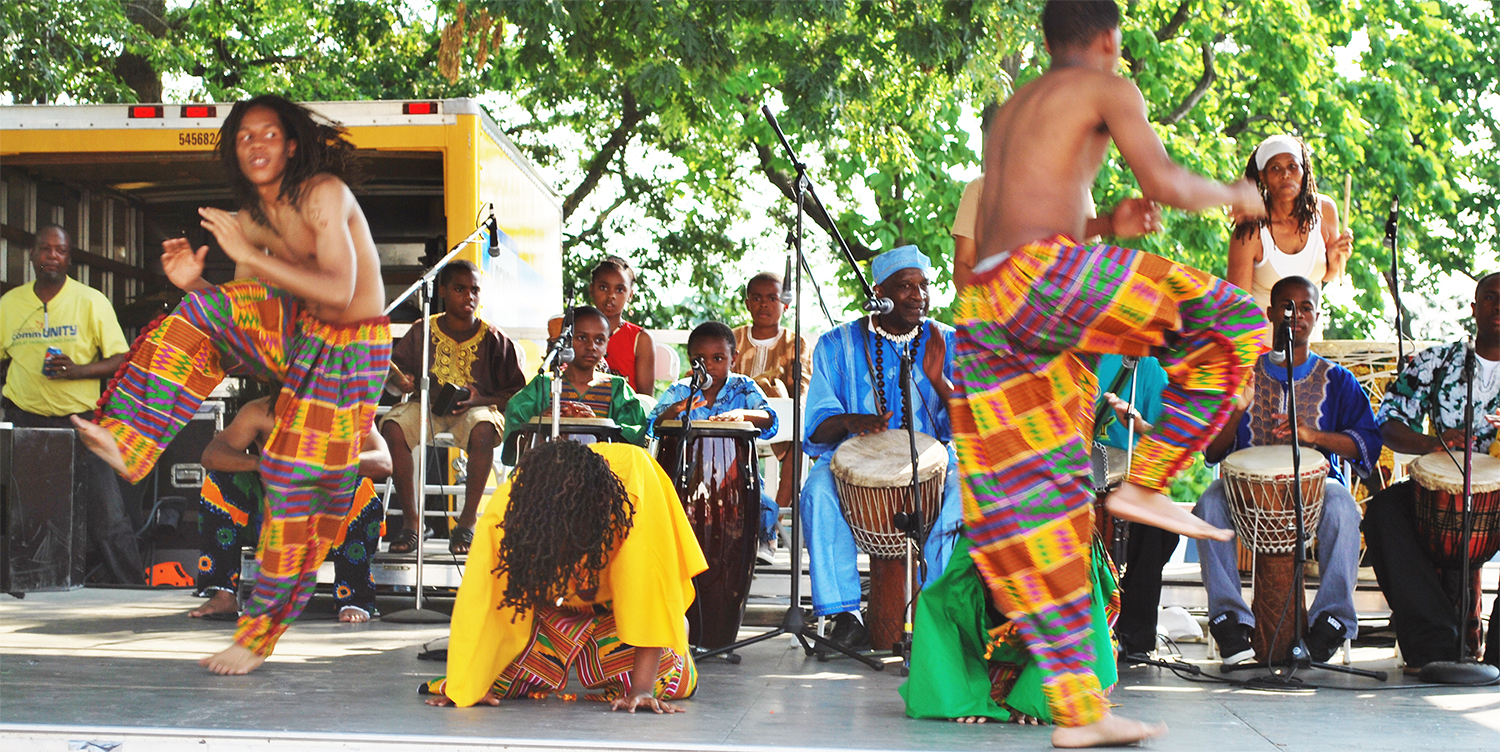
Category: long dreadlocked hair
<point>567,511</point>
<point>321,147</point>
<point>1303,208</point>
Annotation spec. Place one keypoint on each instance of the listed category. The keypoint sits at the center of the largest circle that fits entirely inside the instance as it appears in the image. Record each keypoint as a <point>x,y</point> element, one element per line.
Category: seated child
<point>229,517</point>
<point>586,391</point>
<point>767,353</point>
<point>728,397</point>
<point>584,559</point>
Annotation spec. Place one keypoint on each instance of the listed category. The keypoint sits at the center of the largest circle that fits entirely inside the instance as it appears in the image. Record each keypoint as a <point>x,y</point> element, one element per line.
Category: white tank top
<point>1274,265</point>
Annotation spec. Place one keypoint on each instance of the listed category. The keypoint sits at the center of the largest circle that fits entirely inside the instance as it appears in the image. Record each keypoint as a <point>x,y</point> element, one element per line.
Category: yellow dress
<point>643,594</point>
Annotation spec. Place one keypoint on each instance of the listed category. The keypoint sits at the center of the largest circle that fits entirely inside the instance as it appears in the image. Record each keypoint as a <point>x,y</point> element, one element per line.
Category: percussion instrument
<point>1258,485</point>
<point>1108,472</point>
<point>1438,515</point>
<point>873,477</point>
<point>721,496</point>
<point>582,430</point>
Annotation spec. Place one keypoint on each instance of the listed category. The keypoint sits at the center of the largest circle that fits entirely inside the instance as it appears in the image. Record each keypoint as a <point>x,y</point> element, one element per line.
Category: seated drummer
<point>856,390</point>
<point>1335,419</point>
<point>587,392</point>
<point>1423,600</point>
<point>728,397</point>
<point>229,517</point>
<point>584,559</point>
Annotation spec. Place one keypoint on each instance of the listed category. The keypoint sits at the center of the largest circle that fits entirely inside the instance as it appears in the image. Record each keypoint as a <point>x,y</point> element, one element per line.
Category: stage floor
<point>113,665</point>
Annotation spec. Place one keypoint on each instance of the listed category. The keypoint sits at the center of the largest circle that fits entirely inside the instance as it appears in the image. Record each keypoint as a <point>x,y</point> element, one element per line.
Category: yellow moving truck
<point>122,178</point>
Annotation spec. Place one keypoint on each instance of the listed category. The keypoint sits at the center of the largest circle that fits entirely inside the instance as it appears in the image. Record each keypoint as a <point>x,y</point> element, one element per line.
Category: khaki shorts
<point>407,415</point>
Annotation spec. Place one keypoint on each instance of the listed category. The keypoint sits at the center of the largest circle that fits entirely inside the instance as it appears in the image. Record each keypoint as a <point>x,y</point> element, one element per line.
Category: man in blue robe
<point>856,390</point>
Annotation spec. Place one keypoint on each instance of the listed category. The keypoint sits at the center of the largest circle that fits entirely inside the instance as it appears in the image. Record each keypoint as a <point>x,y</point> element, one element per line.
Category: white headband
<point>1276,145</point>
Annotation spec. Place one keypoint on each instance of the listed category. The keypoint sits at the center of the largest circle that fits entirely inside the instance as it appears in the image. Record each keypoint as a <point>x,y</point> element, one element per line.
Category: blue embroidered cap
<point>892,261</point>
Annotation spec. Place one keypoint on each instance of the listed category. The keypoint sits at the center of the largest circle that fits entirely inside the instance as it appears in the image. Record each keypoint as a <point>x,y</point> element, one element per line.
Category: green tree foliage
<point>647,113</point>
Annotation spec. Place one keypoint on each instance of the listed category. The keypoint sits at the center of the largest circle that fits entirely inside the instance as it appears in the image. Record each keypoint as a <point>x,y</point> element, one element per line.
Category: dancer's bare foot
<point>972,719</point>
<point>233,660</point>
<point>442,701</point>
<point>221,602</point>
<point>1135,503</point>
<point>100,442</point>
<point>353,615</point>
<point>1109,731</point>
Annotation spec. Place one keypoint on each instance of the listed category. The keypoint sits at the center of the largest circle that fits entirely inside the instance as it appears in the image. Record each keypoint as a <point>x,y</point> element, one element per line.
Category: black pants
<point>1147,550</point>
<point>1425,618</point>
<point>112,540</point>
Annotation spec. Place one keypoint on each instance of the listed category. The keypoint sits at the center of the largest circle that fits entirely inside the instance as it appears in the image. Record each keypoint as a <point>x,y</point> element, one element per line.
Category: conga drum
<point>1258,485</point>
<point>582,430</point>
<point>1438,514</point>
<point>873,477</point>
<point>721,497</point>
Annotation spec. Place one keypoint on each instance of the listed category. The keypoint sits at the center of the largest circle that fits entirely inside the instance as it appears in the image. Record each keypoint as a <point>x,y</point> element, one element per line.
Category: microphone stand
<point>795,622</point>
<point>1284,675</point>
<point>1464,670</point>
<point>422,288</point>
<point>559,355</point>
<point>686,432</point>
<point>914,524</point>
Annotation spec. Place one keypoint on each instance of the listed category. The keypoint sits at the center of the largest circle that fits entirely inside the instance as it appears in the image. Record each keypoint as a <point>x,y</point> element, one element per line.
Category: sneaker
<point>765,555</point>
<point>1233,639</point>
<point>1324,638</point>
<point>849,632</point>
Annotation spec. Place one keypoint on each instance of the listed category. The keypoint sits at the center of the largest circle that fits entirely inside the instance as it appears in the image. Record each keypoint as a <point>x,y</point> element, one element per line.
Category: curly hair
<point>321,148</point>
<point>1304,208</point>
<point>567,512</point>
<point>613,264</point>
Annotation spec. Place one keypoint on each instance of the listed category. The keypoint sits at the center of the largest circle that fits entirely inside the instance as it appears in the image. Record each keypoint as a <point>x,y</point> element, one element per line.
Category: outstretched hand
<point>1247,203</point>
<point>1134,217</point>
<point>227,231</point>
<point>631,702</point>
<point>183,265</point>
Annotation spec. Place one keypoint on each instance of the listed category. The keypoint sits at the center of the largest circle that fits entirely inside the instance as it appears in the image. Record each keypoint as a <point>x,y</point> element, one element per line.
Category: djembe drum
<point>1438,515</point>
<point>1109,468</point>
<point>1258,485</point>
<point>582,430</point>
<point>873,477</point>
<point>721,497</point>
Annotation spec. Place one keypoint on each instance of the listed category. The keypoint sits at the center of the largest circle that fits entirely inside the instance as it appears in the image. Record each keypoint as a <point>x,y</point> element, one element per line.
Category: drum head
<point>1272,462</point>
<point>883,460</point>
<point>590,422</point>
<point>714,427</point>
<point>1439,472</point>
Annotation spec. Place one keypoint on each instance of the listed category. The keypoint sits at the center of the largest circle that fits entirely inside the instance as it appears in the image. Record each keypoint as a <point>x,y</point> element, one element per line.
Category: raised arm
<point>1243,253</point>
<point>229,450</point>
<point>329,278</point>
<point>1339,243</point>
<point>1161,179</point>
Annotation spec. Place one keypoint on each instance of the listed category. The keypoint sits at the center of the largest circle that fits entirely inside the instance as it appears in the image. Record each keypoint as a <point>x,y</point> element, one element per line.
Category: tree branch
<point>630,117</point>
<point>1175,23</point>
<point>1196,95</point>
<point>816,213</point>
<point>597,228</point>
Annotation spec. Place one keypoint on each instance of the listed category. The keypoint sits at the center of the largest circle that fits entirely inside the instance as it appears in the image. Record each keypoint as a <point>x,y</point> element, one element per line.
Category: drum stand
<point>1464,670</point>
<point>795,621</point>
<point>422,288</point>
<point>1283,674</point>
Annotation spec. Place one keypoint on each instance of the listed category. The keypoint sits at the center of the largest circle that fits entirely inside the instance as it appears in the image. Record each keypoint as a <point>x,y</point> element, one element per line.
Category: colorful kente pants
<point>586,641</point>
<point>1030,331</point>
<point>331,377</point>
<point>229,518</point>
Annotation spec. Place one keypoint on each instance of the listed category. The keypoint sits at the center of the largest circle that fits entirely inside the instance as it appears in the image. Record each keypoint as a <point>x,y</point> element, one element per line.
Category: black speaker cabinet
<point>171,501</point>
<point>43,538</point>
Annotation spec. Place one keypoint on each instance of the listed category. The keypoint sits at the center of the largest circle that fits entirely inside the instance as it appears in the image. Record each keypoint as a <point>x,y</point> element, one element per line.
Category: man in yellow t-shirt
<point>61,337</point>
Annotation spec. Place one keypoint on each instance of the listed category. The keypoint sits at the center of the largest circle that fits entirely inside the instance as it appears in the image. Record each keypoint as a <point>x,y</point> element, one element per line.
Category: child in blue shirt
<point>728,397</point>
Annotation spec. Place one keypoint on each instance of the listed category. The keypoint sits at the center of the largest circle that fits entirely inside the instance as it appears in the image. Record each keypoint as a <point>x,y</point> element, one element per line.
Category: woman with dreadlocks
<point>1300,234</point>
<point>583,559</point>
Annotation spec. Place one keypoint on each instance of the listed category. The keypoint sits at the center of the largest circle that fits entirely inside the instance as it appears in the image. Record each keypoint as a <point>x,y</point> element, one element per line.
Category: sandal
<point>461,537</point>
<point>405,542</point>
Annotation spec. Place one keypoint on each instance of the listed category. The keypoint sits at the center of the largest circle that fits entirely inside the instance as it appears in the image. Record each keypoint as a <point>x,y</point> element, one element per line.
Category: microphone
<point>786,280</point>
<point>880,306</point>
<point>494,228</point>
<point>1283,330</point>
<point>1392,222</point>
<point>701,379</point>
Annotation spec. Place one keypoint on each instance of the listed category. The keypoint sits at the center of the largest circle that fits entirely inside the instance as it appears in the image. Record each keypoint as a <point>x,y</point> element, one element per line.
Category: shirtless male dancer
<point>305,310</point>
<point>1036,315</point>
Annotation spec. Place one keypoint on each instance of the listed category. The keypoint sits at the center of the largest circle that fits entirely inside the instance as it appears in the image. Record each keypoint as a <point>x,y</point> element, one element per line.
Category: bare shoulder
<point>325,198</point>
<point>256,415</point>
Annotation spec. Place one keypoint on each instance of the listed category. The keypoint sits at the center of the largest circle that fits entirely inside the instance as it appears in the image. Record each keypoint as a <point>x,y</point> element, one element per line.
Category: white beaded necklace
<point>899,339</point>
